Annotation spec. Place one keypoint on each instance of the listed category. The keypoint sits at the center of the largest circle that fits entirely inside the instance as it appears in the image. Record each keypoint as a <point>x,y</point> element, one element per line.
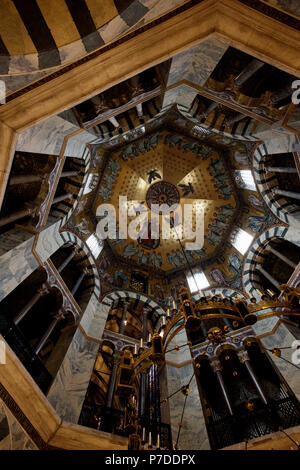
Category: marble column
<point>67,261</point>
<point>210,108</point>
<point>248,71</point>
<point>16,216</point>
<point>143,375</point>
<point>278,169</point>
<point>282,192</point>
<point>113,377</point>
<point>268,276</point>
<point>281,256</point>
<point>203,328</point>
<point>64,197</point>
<point>78,283</point>
<point>65,174</point>
<point>245,359</point>
<point>56,319</point>
<point>234,119</point>
<point>43,290</point>
<point>123,319</point>
<point>282,94</point>
<point>217,368</point>
<point>23,179</point>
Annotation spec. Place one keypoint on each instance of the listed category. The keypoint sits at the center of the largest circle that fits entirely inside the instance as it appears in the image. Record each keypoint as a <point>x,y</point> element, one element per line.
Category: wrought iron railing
<point>112,421</point>
<point>19,344</point>
<point>247,425</point>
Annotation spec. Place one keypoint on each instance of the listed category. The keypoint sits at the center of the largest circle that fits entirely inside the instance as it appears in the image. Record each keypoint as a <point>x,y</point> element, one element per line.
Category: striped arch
<point>249,278</point>
<point>225,290</point>
<point>239,130</point>
<point>95,316</point>
<point>234,133</point>
<point>278,206</point>
<point>87,161</point>
<point>88,31</point>
<point>69,237</point>
<point>111,299</point>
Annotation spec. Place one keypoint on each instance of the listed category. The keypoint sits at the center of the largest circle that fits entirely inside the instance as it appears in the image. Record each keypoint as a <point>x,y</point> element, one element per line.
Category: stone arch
<point>225,290</point>
<point>86,157</point>
<point>225,346</point>
<point>54,57</point>
<point>127,295</point>
<point>280,207</point>
<point>72,238</point>
<point>249,278</point>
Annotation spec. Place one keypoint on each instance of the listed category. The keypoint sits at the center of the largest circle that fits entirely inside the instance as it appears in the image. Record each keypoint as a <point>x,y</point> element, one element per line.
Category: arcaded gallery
<point>149,225</point>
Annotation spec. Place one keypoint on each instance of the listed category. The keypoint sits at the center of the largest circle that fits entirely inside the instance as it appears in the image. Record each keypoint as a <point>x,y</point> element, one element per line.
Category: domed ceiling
<point>168,167</point>
<point>169,159</point>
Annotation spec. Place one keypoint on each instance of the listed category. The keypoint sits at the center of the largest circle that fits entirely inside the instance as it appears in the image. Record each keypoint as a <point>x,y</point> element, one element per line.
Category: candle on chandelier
<point>141,343</point>
<point>168,313</point>
<point>149,338</point>
<point>174,305</point>
<point>164,321</point>
<point>158,441</point>
<point>150,439</point>
<point>135,349</point>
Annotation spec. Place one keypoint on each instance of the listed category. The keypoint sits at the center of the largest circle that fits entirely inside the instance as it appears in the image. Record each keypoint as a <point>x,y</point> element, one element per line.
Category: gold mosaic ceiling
<point>199,173</point>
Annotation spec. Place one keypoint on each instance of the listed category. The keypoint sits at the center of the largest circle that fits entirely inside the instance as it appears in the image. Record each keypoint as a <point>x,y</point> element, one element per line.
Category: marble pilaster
<point>15,266</point>
<point>284,336</point>
<point>193,434</point>
<point>197,62</point>
<point>68,390</point>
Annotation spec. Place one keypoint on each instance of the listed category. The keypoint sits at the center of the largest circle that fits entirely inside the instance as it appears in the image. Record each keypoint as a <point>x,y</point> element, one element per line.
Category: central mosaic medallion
<point>161,193</point>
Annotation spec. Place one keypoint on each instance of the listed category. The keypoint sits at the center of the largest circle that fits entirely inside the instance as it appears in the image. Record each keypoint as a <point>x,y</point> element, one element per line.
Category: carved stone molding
<point>120,341</point>
<point>216,365</point>
<point>54,280</point>
<point>44,208</point>
<point>23,420</point>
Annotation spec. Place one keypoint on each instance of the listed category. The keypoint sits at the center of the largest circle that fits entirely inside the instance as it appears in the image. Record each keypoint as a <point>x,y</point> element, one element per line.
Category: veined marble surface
<point>94,318</point>
<point>15,266</point>
<point>49,241</point>
<point>76,145</point>
<point>16,438</point>
<point>193,435</point>
<point>284,337</point>
<point>69,388</point>
<point>197,62</point>
<point>45,137</point>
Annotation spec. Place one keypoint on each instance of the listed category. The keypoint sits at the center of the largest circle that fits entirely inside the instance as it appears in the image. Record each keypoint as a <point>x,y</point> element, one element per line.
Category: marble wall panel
<point>97,321</point>
<point>45,137</point>
<point>12,436</point>
<point>193,435</point>
<point>69,388</point>
<point>195,65</point>
<point>49,241</point>
<point>76,145</point>
<point>15,266</point>
<point>284,337</point>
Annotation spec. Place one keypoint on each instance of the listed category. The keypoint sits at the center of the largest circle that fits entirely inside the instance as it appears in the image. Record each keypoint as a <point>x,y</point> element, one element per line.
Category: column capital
<point>146,310</point>
<point>215,365</point>
<point>60,315</point>
<point>44,289</point>
<point>117,356</point>
<point>243,356</point>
